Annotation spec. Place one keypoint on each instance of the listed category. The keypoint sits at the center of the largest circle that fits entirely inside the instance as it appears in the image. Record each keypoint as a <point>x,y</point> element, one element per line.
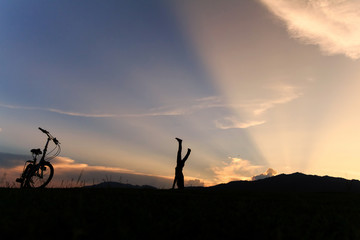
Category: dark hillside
<point>296,182</point>
<point>119,185</point>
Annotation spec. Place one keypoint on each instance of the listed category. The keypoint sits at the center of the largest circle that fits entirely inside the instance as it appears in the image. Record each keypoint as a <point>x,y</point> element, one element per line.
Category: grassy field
<point>166,214</point>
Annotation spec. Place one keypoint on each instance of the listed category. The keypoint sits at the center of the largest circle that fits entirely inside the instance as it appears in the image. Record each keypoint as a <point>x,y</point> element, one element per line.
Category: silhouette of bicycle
<point>38,175</point>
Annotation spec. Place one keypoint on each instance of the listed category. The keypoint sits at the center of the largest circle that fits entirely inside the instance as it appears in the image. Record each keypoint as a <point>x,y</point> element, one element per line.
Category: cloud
<point>0,129</point>
<point>190,108</point>
<point>232,122</point>
<point>76,114</point>
<point>332,25</point>
<point>269,173</point>
<point>194,183</point>
<point>236,169</point>
<point>11,166</point>
<point>193,106</point>
<point>67,163</point>
<point>285,94</point>
<point>8,160</point>
<point>250,109</point>
<point>254,108</point>
<point>152,113</point>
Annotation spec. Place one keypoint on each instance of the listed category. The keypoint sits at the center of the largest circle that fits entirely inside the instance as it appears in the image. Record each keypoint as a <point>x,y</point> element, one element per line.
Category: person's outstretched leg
<point>187,155</point>
<point>179,149</point>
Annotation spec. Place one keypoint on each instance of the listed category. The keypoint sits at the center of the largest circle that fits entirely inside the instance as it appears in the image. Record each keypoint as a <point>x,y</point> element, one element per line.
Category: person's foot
<point>189,150</point>
<point>178,139</point>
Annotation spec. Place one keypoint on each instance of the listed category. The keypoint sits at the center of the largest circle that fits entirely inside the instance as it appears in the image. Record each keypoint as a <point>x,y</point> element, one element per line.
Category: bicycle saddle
<point>36,151</point>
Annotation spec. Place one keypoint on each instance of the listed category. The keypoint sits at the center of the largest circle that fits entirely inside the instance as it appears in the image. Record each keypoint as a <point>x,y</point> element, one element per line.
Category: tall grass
<point>4,183</point>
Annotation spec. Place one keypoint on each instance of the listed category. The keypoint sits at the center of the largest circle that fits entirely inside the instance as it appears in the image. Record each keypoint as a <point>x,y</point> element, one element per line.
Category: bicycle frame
<point>44,151</point>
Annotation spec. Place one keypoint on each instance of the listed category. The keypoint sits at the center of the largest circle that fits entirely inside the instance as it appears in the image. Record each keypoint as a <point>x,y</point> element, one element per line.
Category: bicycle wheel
<point>41,175</point>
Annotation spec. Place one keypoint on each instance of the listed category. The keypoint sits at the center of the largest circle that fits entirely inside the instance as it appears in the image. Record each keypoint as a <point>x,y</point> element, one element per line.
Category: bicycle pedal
<point>19,180</point>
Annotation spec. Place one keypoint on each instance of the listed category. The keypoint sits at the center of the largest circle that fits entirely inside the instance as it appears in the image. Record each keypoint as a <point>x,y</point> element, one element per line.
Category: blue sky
<point>248,85</point>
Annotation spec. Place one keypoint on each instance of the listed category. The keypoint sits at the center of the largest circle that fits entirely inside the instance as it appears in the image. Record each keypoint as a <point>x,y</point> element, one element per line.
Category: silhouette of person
<point>180,163</point>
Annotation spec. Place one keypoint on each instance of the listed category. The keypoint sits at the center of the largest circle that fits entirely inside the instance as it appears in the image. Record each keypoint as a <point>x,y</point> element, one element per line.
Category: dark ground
<point>167,214</point>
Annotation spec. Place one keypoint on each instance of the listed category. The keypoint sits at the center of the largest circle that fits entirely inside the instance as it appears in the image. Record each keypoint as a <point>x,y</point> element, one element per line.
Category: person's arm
<point>173,187</point>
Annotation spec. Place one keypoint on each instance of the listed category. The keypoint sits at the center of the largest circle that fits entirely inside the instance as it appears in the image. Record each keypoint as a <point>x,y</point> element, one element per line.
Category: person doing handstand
<point>180,163</point>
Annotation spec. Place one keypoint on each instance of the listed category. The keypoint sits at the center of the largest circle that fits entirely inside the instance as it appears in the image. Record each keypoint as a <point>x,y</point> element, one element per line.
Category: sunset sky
<point>248,85</point>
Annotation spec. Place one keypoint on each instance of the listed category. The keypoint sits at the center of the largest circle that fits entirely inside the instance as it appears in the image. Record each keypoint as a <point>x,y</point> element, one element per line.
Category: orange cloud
<point>236,169</point>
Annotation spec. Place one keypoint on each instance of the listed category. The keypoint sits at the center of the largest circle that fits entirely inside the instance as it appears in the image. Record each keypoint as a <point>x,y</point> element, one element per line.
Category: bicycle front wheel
<point>41,175</point>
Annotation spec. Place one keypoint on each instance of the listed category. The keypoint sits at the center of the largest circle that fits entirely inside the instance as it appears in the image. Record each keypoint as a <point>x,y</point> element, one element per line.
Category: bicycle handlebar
<point>49,136</point>
<point>43,130</point>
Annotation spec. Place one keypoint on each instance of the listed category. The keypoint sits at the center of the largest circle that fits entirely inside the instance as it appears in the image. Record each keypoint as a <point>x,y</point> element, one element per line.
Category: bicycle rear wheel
<point>25,175</point>
<point>41,175</point>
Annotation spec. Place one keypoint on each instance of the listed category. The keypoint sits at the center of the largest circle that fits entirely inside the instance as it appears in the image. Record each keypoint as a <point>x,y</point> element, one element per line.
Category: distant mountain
<point>296,182</point>
<point>119,185</point>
